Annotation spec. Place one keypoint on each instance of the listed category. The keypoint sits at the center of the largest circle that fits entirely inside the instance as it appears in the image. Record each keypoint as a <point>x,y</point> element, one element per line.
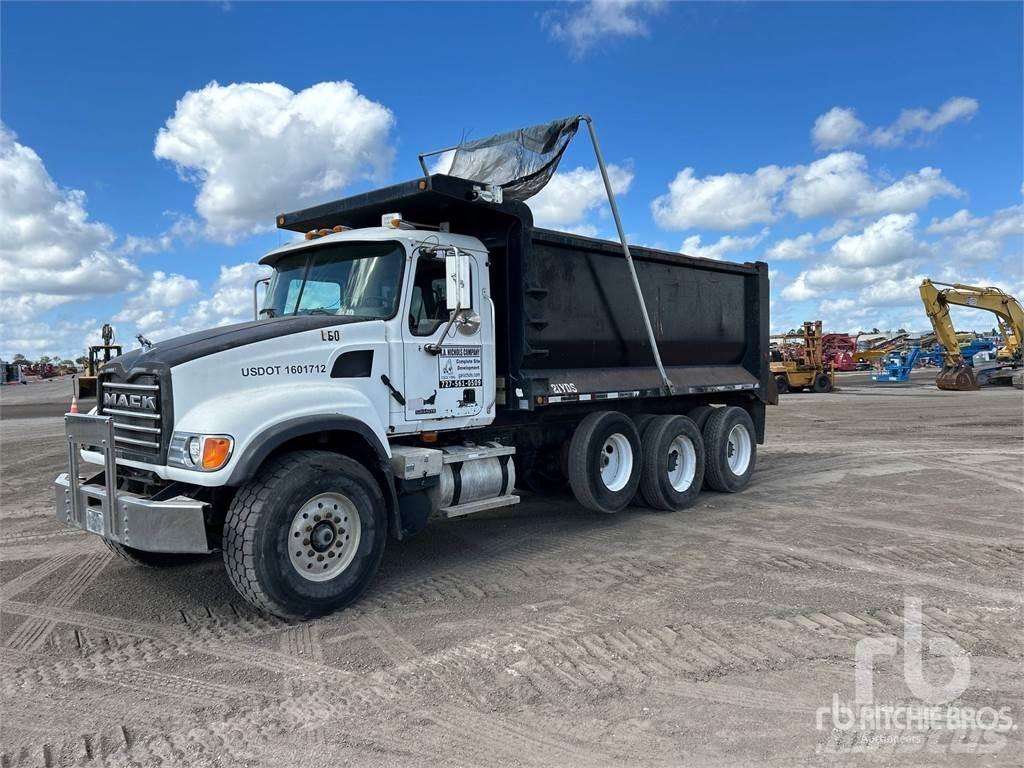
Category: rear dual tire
<point>730,450</point>
<point>673,463</point>
<point>605,461</point>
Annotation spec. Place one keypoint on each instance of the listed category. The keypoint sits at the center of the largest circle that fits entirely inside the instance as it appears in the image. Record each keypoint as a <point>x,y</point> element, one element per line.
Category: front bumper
<point>97,506</point>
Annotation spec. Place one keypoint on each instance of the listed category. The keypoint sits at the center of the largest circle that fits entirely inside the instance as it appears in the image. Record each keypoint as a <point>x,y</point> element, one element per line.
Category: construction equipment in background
<point>839,351</point>
<point>968,350</point>
<point>802,364</point>
<point>898,367</point>
<point>871,356</point>
<point>108,349</point>
<point>956,374</point>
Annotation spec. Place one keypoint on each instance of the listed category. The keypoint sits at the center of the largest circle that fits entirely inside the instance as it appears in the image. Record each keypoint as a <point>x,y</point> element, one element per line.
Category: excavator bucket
<point>957,378</point>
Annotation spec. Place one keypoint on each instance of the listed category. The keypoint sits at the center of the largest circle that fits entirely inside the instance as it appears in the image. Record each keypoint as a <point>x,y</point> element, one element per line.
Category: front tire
<point>306,536</point>
<point>822,383</point>
<point>604,461</point>
<point>673,466</point>
<point>730,450</point>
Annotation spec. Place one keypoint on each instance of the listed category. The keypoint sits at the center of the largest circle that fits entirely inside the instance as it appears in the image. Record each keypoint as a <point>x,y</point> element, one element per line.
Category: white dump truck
<point>420,354</point>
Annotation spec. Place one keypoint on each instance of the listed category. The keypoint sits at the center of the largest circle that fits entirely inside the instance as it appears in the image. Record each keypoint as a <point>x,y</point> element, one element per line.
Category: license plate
<point>94,520</point>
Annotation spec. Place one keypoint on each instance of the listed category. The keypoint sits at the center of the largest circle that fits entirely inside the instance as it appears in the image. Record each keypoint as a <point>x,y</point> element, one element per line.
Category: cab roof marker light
<point>394,221</point>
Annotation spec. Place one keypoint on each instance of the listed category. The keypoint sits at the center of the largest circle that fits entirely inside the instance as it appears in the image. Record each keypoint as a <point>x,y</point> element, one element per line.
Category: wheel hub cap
<point>738,449</point>
<point>323,537</point>
<point>682,463</point>
<point>616,462</point>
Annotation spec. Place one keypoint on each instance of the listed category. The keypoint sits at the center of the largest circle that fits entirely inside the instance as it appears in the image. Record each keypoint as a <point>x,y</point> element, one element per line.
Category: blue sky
<point>838,141</point>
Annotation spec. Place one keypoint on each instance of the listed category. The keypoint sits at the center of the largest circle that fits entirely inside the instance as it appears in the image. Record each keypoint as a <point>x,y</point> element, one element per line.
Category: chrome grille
<point>136,410</point>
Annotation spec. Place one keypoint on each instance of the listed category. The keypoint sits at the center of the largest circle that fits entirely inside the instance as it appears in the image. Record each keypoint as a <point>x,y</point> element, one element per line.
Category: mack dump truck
<point>423,352</point>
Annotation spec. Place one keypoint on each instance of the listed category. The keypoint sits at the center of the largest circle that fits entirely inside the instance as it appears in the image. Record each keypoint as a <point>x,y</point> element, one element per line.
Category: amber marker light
<point>216,452</point>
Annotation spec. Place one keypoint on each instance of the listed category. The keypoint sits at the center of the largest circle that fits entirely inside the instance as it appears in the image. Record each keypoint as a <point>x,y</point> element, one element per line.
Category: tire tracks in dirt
<point>32,633</point>
<point>835,558</point>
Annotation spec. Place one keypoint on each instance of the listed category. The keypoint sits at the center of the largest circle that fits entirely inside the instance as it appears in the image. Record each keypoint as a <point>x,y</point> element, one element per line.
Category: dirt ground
<point>544,635</point>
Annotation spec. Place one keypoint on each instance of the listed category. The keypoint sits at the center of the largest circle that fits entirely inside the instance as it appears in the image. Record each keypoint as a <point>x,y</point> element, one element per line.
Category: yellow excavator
<point>956,375</point>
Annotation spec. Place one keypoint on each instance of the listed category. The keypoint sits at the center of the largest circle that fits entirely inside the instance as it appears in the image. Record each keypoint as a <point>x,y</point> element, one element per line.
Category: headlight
<point>204,453</point>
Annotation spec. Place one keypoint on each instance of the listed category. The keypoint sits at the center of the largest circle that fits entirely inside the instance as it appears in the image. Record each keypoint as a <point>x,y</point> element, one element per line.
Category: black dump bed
<point>568,323</point>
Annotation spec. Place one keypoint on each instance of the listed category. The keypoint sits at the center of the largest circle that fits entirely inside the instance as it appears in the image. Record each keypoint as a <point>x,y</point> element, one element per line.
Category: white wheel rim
<point>616,462</point>
<point>682,463</point>
<point>324,536</point>
<point>737,449</point>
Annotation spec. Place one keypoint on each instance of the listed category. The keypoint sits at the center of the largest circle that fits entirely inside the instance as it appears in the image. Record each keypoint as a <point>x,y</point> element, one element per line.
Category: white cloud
<point>728,244</point>
<point>35,338</point>
<point>161,292</point>
<point>912,123</point>
<point>983,238</point>
<point>50,251</point>
<point>590,22</point>
<point>256,149</point>
<point>912,192</point>
<point>171,313</point>
<point>837,128</point>
<point>1007,222</point>
<point>791,249</point>
<point>871,278</point>
<point>570,196</point>
<point>728,201</point>
<point>959,221</point>
<point>840,185</point>
<point>840,127</point>
<point>886,241</point>
<point>886,250</point>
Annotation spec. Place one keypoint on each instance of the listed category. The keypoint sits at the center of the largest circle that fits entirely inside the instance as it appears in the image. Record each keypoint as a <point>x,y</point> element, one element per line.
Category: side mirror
<point>256,296</point>
<point>468,322</point>
<point>457,272</point>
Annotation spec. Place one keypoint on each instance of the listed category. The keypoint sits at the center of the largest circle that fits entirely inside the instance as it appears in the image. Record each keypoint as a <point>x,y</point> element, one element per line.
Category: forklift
<point>801,366</point>
<point>87,380</point>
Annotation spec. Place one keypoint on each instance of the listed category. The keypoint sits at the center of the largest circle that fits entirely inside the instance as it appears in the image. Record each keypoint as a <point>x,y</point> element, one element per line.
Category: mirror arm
<point>435,348</point>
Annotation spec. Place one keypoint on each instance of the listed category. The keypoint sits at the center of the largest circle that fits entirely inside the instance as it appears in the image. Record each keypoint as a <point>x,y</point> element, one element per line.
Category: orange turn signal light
<point>216,452</point>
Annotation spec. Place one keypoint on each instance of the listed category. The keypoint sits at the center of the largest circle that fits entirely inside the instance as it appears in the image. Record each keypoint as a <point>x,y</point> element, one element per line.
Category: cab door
<point>444,362</point>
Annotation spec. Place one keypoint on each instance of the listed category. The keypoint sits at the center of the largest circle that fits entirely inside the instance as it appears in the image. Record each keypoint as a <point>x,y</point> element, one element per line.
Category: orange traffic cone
<point>74,405</point>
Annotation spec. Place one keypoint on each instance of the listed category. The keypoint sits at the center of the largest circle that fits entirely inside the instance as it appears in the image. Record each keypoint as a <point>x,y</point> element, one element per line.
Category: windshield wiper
<point>316,311</point>
<point>271,312</point>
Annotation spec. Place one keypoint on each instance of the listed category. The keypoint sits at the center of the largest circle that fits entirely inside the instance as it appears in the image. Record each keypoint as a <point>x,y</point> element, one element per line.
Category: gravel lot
<point>548,636</point>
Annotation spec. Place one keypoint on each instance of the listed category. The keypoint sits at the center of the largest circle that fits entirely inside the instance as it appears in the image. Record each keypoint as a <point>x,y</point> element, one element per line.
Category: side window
<point>428,307</point>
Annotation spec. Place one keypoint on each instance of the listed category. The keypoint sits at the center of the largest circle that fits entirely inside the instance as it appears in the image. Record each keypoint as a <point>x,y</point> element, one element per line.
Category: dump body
<point>580,324</point>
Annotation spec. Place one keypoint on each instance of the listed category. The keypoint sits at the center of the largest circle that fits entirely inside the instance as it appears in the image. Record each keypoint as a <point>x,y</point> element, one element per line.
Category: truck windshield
<point>355,279</point>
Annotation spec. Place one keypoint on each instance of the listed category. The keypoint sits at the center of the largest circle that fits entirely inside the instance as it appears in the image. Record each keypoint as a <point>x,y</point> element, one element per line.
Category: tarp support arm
<point>666,382</point>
